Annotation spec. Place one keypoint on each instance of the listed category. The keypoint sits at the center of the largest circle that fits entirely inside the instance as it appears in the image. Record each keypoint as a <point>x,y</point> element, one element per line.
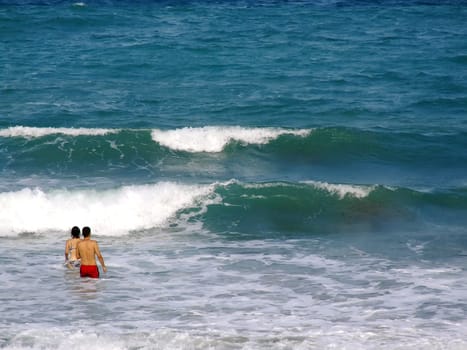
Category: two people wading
<point>83,253</point>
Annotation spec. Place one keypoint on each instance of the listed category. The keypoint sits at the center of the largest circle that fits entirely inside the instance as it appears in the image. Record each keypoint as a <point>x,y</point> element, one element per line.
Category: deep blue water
<point>259,175</point>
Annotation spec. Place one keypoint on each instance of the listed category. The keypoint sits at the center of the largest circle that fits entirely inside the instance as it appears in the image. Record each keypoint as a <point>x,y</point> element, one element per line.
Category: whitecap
<point>31,132</point>
<point>215,138</point>
<point>108,212</point>
<point>342,190</point>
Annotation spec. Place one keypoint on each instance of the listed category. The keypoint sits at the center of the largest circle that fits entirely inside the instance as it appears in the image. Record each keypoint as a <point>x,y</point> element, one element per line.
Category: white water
<point>110,212</point>
<point>204,139</point>
<point>119,211</point>
<point>215,138</point>
<point>31,132</point>
<point>191,290</point>
<point>342,190</point>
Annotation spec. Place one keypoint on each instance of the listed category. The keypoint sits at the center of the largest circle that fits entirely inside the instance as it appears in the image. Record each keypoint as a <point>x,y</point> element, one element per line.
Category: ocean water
<point>258,174</point>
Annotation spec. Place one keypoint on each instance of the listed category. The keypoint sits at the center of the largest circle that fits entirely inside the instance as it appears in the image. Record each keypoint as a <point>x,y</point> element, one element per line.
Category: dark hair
<point>86,231</point>
<point>75,232</point>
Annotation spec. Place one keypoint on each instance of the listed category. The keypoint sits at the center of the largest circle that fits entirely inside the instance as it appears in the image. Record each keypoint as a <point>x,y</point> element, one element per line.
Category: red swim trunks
<point>89,271</point>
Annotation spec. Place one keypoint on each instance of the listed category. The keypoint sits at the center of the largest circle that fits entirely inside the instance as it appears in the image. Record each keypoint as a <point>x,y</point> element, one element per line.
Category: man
<point>87,251</point>
<point>71,261</point>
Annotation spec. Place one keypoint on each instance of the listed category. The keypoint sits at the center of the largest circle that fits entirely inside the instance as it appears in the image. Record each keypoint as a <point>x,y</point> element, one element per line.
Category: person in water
<point>87,251</point>
<point>71,261</point>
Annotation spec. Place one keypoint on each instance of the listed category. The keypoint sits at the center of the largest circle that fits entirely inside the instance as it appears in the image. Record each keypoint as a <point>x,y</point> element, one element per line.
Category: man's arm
<point>99,256</point>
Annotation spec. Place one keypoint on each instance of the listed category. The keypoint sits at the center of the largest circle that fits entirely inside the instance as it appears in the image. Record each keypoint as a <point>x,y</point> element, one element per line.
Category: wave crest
<point>215,138</point>
<point>31,132</point>
<point>342,190</point>
<point>109,212</point>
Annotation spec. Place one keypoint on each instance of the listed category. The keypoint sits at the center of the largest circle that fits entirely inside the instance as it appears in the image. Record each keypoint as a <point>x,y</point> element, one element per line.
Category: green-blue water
<point>259,175</point>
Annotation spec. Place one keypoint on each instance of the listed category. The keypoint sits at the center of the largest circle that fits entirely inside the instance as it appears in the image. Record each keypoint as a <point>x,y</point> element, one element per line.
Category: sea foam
<point>342,190</point>
<point>109,212</point>
<point>215,138</point>
<point>31,132</point>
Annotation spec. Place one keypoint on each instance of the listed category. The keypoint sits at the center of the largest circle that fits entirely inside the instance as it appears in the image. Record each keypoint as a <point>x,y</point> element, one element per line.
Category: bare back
<point>70,248</point>
<point>88,250</point>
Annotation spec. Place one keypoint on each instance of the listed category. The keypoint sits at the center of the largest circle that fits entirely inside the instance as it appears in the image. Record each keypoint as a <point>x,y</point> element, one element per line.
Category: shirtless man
<point>87,251</point>
<point>71,261</point>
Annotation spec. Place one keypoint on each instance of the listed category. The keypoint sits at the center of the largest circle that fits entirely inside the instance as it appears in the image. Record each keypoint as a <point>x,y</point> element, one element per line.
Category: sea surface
<point>258,174</point>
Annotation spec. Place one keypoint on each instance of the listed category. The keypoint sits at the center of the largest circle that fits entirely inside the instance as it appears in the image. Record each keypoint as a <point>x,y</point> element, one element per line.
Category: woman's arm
<point>67,250</point>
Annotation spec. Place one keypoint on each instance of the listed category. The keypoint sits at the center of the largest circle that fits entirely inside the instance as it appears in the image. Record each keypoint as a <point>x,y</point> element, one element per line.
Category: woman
<point>71,260</point>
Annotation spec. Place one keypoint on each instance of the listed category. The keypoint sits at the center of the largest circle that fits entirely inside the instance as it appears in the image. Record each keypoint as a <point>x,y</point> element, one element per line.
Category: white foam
<point>110,212</point>
<point>234,294</point>
<point>31,132</point>
<point>331,337</point>
<point>215,138</point>
<point>343,190</point>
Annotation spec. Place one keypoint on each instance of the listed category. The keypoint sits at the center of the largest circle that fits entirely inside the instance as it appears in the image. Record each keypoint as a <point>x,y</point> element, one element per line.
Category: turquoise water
<point>259,175</point>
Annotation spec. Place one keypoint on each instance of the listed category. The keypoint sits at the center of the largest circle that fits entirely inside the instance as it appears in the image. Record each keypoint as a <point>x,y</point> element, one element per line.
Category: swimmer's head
<point>75,232</point>
<point>86,231</point>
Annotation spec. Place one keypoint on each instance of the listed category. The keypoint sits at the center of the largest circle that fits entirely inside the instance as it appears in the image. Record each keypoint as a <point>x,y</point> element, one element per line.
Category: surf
<point>33,132</point>
<point>118,211</point>
<point>265,208</point>
<point>215,138</point>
